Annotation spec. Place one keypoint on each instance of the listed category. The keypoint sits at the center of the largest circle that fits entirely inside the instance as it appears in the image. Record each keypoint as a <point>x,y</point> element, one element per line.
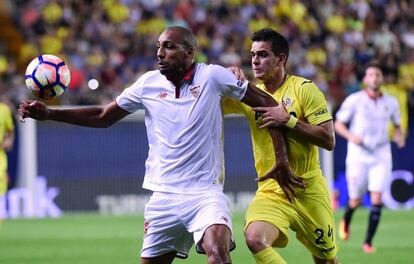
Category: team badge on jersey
<point>195,91</point>
<point>286,102</point>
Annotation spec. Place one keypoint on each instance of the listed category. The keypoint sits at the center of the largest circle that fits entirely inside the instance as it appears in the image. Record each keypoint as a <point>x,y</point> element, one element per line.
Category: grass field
<point>90,238</point>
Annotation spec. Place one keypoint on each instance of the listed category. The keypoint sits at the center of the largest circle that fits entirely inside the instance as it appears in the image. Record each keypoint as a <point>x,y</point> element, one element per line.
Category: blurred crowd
<point>113,41</point>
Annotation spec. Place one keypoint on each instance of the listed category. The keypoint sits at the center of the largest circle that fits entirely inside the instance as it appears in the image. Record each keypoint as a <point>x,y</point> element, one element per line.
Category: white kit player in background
<point>184,168</point>
<point>368,162</point>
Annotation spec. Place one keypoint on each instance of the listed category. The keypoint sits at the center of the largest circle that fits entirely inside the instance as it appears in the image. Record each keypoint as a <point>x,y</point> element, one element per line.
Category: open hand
<point>285,178</point>
<point>239,73</point>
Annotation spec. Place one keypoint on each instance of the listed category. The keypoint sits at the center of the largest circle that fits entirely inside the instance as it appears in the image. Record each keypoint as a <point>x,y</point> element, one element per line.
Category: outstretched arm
<point>281,172</point>
<point>90,117</point>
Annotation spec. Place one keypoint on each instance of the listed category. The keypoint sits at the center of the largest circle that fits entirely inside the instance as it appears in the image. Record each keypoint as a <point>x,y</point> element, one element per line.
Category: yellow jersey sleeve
<point>315,108</point>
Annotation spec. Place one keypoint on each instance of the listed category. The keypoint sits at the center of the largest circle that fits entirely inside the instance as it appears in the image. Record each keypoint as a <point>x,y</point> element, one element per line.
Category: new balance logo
<point>224,218</point>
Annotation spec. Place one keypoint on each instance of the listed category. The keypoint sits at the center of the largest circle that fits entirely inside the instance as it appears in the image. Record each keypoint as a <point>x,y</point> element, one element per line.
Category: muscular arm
<point>89,117</point>
<point>281,172</point>
<point>321,135</point>
<point>8,140</point>
<point>342,130</point>
<point>255,97</point>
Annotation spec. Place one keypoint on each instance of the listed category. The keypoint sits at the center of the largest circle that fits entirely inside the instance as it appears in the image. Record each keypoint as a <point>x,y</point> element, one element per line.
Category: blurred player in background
<point>6,143</point>
<point>304,116</point>
<point>368,161</point>
<point>184,168</point>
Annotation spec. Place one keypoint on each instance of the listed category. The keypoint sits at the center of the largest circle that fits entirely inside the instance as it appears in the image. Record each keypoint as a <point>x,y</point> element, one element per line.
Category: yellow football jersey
<point>302,99</point>
<point>6,124</point>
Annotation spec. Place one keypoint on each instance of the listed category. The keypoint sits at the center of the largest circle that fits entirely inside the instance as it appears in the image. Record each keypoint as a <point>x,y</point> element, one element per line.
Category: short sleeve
<point>315,108</point>
<point>227,83</point>
<point>131,98</point>
<point>346,111</point>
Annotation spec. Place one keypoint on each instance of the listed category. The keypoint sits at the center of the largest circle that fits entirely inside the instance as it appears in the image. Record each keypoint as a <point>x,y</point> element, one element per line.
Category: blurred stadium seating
<point>113,40</point>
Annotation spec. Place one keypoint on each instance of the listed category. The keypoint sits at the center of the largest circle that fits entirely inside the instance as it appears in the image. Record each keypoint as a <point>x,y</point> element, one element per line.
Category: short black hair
<point>373,64</point>
<point>279,43</point>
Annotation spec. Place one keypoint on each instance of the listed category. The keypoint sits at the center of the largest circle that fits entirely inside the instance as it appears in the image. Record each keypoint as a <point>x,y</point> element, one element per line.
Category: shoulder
<point>390,97</point>
<point>356,96</point>
<point>302,86</point>
<point>213,70</point>
<point>150,77</point>
<point>391,100</point>
<point>299,82</point>
<point>154,75</point>
<point>4,107</point>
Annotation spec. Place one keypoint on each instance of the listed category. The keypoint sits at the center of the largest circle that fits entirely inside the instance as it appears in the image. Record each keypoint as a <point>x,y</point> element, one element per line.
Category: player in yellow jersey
<point>304,116</point>
<point>6,143</point>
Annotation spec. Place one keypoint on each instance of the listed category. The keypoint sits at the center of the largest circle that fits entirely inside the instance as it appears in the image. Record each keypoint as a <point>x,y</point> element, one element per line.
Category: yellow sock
<point>268,256</point>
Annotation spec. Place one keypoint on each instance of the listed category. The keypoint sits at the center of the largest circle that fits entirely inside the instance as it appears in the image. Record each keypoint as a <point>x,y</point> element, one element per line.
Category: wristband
<point>291,123</point>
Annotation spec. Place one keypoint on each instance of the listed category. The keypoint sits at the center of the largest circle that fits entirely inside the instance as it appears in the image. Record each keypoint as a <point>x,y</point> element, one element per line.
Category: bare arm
<point>399,137</point>
<point>255,97</point>
<point>8,140</point>
<point>321,135</point>
<point>89,117</point>
<point>281,172</point>
<point>342,129</point>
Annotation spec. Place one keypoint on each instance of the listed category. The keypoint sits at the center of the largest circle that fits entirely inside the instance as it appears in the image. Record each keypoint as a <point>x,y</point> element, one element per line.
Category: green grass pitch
<point>90,238</point>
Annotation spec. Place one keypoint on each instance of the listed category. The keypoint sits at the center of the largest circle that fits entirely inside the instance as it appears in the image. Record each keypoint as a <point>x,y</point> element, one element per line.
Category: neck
<point>177,77</point>
<point>275,83</point>
<point>374,92</point>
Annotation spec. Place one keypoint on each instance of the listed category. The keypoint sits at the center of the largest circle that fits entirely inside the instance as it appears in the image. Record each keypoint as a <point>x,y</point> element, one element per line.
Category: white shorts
<point>173,222</point>
<point>363,176</point>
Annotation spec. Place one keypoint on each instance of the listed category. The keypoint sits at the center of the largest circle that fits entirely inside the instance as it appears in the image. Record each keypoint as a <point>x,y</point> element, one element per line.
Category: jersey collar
<point>188,77</point>
<point>190,73</point>
<point>371,95</point>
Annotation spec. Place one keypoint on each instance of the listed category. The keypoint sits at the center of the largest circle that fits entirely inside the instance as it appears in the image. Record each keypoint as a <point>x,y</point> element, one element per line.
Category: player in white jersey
<point>184,168</point>
<point>368,161</point>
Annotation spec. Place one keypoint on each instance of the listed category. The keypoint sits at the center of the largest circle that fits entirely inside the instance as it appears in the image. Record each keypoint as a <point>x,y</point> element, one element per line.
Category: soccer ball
<point>47,76</point>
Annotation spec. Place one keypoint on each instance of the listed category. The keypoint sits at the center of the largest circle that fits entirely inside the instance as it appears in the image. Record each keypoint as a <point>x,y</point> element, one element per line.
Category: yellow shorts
<point>310,216</point>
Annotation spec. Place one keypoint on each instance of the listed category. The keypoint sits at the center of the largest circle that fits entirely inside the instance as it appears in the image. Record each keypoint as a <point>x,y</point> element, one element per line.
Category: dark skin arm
<point>90,117</point>
<point>281,172</point>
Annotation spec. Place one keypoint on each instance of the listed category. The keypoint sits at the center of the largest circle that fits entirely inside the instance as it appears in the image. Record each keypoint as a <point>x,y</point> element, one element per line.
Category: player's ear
<point>282,58</point>
<point>191,51</point>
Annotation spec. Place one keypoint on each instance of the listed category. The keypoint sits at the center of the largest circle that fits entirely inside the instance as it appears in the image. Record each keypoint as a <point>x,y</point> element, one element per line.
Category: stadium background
<point>113,41</point>
<point>89,170</point>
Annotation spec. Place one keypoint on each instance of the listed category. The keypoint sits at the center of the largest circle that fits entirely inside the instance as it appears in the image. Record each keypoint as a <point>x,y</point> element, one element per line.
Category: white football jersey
<point>369,118</point>
<point>184,127</point>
